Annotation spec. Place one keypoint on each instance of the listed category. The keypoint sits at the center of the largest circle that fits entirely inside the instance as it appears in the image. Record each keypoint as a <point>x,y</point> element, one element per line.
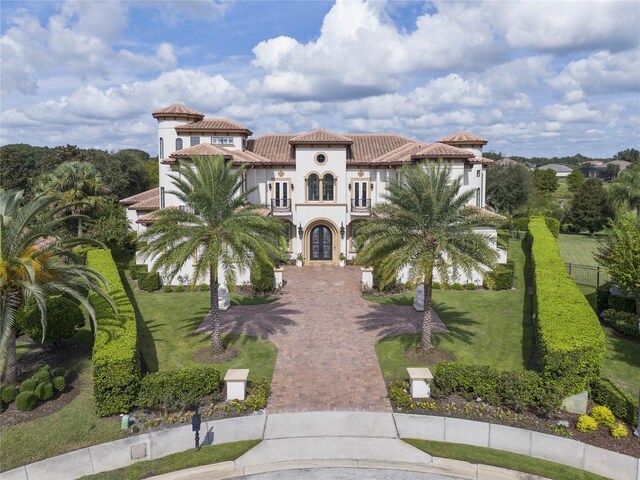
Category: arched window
<point>178,144</point>
<point>478,198</point>
<point>327,188</point>
<point>313,188</point>
<point>161,147</point>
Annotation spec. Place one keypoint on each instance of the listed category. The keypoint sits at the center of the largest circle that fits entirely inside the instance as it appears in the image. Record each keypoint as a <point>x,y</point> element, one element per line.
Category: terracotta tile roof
<point>441,150</point>
<point>208,150</point>
<point>275,147</point>
<point>147,219</point>
<point>402,154</point>
<point>150,204</point>
<point>139,197</point>
<point>482,160</point>
<point>367,147</point>
<point>320,136</point>
<point>213,125</point>
<point>177,110</point>
<point>486,213</point>
<point>463,138</point>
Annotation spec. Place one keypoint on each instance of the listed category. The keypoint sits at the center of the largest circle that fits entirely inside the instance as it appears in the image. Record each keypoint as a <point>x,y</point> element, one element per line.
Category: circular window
<point>321,158</point>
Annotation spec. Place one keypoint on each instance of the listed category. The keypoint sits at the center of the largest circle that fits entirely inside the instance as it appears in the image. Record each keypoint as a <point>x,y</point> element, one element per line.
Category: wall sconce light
<point>300,230</point>
<point>371,186</point>
<point>292,187</point>
<point>342,230</point>
<point>270,187</point>
<point>349,187</point>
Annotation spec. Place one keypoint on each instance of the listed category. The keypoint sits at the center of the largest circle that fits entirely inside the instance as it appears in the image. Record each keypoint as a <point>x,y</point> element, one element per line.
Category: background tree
<point>226,231</point>
<point>574,180</point>
<point>76,184</point>
<point>125,173</point>
<point>509,187</point>
<point>629,155</point>
<point>626,189</point>
<point>591,207</point>
<point>425,223</point>
<point>111,227</point>
<point>35,263</point>
<point>545,181</point>
<point>619,254</point>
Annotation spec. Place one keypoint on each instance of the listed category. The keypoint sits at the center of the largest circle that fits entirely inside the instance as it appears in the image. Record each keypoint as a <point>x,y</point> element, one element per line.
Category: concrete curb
<point>332,436</point>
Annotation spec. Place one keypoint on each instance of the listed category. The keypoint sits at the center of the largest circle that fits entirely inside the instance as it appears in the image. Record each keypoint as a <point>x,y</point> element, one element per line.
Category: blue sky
<point>534,78</point>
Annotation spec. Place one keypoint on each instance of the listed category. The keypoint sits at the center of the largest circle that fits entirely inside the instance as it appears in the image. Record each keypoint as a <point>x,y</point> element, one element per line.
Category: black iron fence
<point>587,274</point>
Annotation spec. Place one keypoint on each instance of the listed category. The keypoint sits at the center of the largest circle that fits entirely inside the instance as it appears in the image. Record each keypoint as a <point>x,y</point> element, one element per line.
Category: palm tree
<point>35,263</point>
<point>425,224</point>
<point>626,189</point>
<point>75,183</point>
<point>220,228</point>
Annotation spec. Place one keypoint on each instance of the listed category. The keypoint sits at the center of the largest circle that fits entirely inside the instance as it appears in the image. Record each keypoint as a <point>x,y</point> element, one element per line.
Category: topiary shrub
<point>167,289</point>
<point>621,404</point>
<point>623,322</point>
<point>619,430</point>
<point>8,394</point>
<point>41,376</point>
<point>26,401</point>
<point>263,277</point>
<point>204,287</point>
<point>500,278</point>
<point>603,416</point>
<point>436,286</point>
<point>136,269</point>
<point>179,388</point>
<point>586,424</point>
<point>63,317</point>
<point>58,372</point>
<point>149,282</point>
<point>178,289</point>
<point>28,385</point>
<point>59,383</point>
<point>44,391</point>
<point>470,286</point>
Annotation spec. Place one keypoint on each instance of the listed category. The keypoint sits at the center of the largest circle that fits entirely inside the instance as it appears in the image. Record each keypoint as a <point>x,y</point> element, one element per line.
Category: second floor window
<point>327,188</point>
<point>313,186</point>
<point>178,144</point>
<point>161,147</point>
<point>478,198</point>
<point>194,141</point>
<point>221,140</point>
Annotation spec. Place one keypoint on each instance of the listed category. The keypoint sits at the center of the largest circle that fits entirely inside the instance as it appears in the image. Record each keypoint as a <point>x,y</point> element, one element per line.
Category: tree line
<point>630,155</point>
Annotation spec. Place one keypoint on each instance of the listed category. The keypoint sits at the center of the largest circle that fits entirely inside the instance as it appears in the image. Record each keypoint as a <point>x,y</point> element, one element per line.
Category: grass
<point>499,458</point>
<point>178,461</point>
<point>578,248</point>
<point>480,330</point>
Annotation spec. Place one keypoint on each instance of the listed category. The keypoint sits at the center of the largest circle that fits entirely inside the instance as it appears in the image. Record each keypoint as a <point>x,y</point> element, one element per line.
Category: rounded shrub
<point>586,424</point>
<point>59,383</point>
<point>8,394</point>
<point>57,372</point>
<point>179,289</point>
<point>149,282</point>
<point>204,287</point>
<point>167,289</point>
<point>457,286</point>
<point>263,277</point>
<point>435,286</point>
<point>26,401</point>
<point>619,430</point>
<point>28,385</point>
<point>603,416</point>
<point>63,317</point>
<point>41,376</point>
<point>470,286</point>
<point>44,391</point>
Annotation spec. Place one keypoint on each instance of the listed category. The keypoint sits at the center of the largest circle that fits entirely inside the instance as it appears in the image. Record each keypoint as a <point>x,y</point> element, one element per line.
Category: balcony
<point>360,206</point>
<point>281,206</point>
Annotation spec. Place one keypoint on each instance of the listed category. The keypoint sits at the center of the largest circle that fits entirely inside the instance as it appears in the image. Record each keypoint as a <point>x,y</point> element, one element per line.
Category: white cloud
<point>579,112</point>
<point>179,11</point>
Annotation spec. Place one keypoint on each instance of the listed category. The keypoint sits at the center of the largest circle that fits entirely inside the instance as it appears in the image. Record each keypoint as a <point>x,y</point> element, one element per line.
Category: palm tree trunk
<point>425,340</point>
<point>214,314</point>
<point>10,374</point>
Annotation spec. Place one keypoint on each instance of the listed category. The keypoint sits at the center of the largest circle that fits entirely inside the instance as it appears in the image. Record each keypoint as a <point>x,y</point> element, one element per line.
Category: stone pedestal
<point>224,302</point>
<point>367,277</point>
<point>576,403</point>
<point>279,274</point>
<point>418,301</point>
<point>236,379</point>
<point>420,379</point>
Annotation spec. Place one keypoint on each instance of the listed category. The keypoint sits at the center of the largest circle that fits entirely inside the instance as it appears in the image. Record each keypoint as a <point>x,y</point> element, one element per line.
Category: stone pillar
<point>420,379</point>
<point>367,277</point>
<point>236,379</point>
<point>224,302</point>
<point>418,301</point>
<point>279,274</point>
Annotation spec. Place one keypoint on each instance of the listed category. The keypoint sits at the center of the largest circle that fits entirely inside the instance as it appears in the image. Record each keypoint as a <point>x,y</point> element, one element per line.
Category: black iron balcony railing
<point>281,204</point>
<point>360,205</point>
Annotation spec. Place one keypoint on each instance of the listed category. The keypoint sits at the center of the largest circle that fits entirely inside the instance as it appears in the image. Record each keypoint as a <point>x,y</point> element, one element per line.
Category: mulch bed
<point>457,407</point>
<point>66,357</point>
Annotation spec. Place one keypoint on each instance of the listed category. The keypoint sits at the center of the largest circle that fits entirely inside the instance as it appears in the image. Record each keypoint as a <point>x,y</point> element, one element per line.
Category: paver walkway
<point>325,333</point>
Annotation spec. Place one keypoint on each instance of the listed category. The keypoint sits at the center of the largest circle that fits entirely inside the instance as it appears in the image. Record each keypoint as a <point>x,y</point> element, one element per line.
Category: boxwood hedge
<point>569,336</point>
<point>116,362</point>
<point>607,393</point>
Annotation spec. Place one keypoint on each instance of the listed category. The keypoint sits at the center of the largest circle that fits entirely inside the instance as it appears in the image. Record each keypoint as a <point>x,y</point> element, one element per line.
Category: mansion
<point>320,184</point>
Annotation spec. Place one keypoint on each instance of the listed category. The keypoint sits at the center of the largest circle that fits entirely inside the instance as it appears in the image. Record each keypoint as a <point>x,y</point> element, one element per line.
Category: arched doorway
<point>321,246</point>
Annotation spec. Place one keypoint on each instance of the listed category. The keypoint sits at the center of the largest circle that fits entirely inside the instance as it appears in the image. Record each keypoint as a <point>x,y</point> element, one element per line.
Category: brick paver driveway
<point>325,334</point>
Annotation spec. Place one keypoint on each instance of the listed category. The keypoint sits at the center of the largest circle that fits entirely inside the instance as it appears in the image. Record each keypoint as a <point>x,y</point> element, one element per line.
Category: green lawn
<point>178,461</point>
<point>487,327</point>
<point>499,458</point>
<point>578,248</point>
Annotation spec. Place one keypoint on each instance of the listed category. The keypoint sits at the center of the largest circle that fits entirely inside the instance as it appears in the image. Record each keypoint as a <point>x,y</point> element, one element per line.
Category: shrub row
<point>569,336</point>
<point>517,390</point>
<point>607,393</point>
<point>179,388</point>
<point>149,282</point>
<point>135,269</point>
<point>116,362</point>
<point>41,386</point>
<point>623,322</point>
<point>553,224</point>
<point>605,300</point>
<point>500,278</point>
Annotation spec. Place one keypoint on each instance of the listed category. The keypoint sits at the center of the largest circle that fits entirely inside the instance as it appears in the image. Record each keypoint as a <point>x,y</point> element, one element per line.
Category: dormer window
<point>221,140</point>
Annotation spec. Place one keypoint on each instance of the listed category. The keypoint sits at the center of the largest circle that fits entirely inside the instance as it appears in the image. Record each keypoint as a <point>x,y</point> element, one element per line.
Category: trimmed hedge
<point>607,393</point>
<point>116,361</point>
<point>263,277</point>
<point>28,385</point>
<point>501,277</point>
<point>8,394</point>
<point>569,336</point>
<point>136,269</point>
<point>602,296</point>
<point>149,282</point>
<point>604,300</point>
<point>518,390</point>
<point>553,224</point>
<point>44,391</point>
<point>59,383</point>
<point>623,322</point>
<point>179,388</point>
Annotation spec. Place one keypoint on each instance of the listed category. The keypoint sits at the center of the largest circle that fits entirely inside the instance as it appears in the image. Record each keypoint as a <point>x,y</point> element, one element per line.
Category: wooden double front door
<point>321,243</point>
